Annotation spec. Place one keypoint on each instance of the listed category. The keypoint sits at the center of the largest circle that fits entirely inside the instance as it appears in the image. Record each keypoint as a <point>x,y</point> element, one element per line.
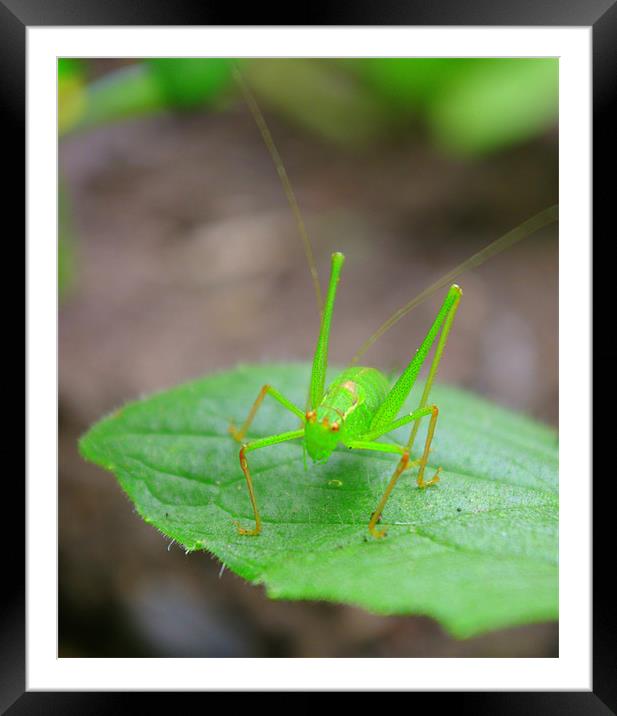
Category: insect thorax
<point>346,410</point>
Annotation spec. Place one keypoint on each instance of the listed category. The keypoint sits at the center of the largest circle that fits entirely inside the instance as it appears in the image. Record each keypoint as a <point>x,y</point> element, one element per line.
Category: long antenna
<point>547,216</point>
<point>280,168</point>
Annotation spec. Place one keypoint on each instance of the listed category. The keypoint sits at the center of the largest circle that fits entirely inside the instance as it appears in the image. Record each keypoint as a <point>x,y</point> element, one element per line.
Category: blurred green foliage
<point>66,251</point>
<point>148,86</point>
<point>469,106</point>
<point>71,90</point>
<point>320,96</point>
<point>190,82</point>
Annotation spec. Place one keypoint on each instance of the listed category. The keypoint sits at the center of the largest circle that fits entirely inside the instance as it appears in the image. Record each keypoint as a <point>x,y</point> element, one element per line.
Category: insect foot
<point>242,531</point>
<point>433,481</point>
<point>377,534</point>
<point>375,518</point>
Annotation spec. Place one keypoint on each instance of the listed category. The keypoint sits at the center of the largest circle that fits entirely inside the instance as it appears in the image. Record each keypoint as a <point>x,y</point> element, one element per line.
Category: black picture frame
<point>601,15</point>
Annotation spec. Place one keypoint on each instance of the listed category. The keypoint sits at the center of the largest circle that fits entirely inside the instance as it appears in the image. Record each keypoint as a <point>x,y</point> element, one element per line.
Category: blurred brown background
<point>187,261</point>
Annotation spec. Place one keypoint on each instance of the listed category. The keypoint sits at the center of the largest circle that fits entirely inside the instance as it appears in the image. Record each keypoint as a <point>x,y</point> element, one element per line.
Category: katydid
<point>361,405</point>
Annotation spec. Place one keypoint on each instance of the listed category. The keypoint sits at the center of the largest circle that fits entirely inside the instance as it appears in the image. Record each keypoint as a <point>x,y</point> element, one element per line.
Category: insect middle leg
<point>404,462</point>
<point>238,434</point>
<point>256,445</point>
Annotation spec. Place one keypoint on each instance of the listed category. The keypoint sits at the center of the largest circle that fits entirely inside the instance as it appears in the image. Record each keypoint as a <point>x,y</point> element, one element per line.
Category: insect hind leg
<point>427,449</point>
<point>441,344</point>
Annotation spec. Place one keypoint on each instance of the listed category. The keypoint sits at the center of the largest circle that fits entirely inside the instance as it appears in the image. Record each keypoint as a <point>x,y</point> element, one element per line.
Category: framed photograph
<point>309,354</point>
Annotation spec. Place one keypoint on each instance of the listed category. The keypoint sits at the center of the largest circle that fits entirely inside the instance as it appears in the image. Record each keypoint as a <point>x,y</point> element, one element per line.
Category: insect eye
<point>335,427</point>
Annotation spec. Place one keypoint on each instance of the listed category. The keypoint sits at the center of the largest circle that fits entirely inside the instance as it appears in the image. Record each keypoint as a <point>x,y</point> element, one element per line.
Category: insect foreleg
<point>256,445</point>
<point>239,434</point>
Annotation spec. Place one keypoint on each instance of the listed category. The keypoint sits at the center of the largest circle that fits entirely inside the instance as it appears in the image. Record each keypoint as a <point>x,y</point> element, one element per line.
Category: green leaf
<point>477,552</point>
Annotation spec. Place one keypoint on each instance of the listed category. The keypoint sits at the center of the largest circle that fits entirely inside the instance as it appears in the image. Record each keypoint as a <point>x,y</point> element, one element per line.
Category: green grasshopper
<point>361,405</point>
